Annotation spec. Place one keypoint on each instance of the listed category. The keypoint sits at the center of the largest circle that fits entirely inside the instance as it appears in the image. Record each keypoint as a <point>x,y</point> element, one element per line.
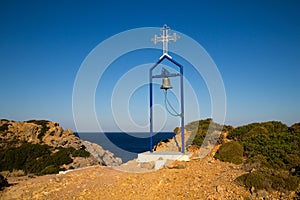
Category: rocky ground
<point>204,178</point>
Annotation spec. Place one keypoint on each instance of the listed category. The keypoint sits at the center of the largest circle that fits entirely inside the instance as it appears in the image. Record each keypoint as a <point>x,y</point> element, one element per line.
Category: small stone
<point>147,165</point>
<point>262,194</point>
<point>219,189</point>
<point>252,189</point>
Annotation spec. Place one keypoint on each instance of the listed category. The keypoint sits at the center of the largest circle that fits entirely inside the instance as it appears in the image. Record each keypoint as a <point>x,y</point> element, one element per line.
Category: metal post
<point>151,113</point>
<point>182,102</point>
<point>151,101</point>
<point>182,110</point>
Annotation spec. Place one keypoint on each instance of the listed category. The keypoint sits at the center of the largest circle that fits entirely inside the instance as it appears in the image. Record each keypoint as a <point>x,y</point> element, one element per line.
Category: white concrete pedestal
<point>160,158</point>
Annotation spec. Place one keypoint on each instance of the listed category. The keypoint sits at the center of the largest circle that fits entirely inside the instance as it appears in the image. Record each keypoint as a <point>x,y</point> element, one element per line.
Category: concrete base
<point>160,158</point>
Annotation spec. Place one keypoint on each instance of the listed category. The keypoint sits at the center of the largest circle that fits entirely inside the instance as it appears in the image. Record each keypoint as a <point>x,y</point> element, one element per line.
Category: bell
<point>166,84</point>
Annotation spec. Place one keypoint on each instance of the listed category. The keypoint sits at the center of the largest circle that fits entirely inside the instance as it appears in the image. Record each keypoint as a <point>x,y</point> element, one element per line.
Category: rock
<point>262,194</point>
<point>171,164</point>
<point>147,165</point>
<point>38,132</point>
<point>219,189</point>
<point>104,157</point>
<point>159,163</point>
<point>173,144</point>
<point>252,190</point>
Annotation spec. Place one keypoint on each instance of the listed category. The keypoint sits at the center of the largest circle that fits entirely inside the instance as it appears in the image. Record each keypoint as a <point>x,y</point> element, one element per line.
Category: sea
<point>125,145</point>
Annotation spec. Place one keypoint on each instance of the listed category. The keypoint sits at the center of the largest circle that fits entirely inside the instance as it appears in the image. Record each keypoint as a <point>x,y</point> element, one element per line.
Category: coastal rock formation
<point>38,132</point>
<point>14,134</point>
<point>105,157</point>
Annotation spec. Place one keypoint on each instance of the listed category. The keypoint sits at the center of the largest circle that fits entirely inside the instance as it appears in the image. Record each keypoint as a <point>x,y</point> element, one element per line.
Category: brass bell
<point>166,84</point>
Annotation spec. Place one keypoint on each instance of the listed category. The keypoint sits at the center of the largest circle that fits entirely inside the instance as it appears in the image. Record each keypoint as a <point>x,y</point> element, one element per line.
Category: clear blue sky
<point>255,45</point>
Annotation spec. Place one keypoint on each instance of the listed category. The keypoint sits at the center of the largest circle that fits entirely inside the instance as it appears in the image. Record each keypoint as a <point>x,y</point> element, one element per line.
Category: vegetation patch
<point>270,150</point>
<point>267,180</point>
<point>200,129</point>
<point>80,153</point>
<point>273,150</point>
<point>252,179</point>
<point>230,152</point>
<point>38,159</point>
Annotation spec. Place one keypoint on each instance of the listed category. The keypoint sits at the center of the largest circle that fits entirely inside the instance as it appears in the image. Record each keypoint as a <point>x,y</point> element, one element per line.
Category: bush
<point>206,127</point>
<point>279,181</point>
<point>39,122</point>
<point>230,152</point>
<point>292,183</point>
<point>37,159</point>
<point>49,170</point>
<point>80,153</point>
<point>62,156</point>
<point>256,162</point>
<point>295,128</point>
<point>251,179</point>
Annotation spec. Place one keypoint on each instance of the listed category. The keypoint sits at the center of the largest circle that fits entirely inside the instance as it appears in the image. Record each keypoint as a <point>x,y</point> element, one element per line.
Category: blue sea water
<point>125,145</point>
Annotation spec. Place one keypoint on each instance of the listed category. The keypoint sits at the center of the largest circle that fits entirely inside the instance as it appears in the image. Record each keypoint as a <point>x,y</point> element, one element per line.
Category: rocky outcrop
<point>13,134</point>
<point>174,144</point>
<point>104,157</point>
<point>38,132</point>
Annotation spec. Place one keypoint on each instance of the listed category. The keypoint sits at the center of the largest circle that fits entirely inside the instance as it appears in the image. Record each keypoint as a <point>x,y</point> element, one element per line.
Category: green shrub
<point>38,122</point>
<point>239,132</point>
<point>295,128</point>
<point>266,179</point>
<point>292,183</point>
<point>52,169</point>
<point>200,129</point>
<point>80,153</point>
<point>37,159</point>
<point>63,156</point>
<point>254,179</point>
<point>230,152</point>
<point>258,161</point>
